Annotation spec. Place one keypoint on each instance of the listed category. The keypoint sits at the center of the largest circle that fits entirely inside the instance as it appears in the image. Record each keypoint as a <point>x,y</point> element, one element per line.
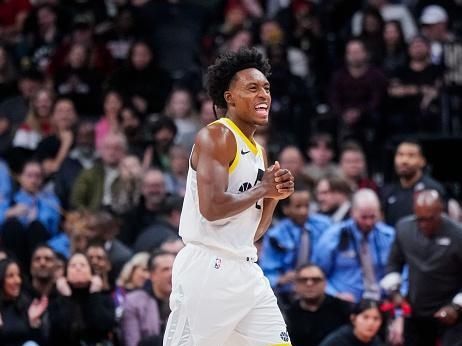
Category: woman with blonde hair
<point>37,124</point>
<point>135,272</point>
<point>133,276</point>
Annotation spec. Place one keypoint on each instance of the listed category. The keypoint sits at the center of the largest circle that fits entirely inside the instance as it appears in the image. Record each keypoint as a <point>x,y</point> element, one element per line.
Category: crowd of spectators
<point>100,102</point>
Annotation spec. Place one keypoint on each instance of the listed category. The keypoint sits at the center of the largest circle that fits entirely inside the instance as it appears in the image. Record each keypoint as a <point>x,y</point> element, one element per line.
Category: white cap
<point>433,14</point>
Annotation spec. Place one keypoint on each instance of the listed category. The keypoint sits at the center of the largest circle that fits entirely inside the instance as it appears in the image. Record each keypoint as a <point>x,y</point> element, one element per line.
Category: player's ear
<point>229,98</point>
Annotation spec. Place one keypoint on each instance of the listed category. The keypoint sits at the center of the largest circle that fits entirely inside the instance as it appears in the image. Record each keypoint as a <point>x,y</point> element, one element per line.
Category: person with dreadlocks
<point>219,295</point>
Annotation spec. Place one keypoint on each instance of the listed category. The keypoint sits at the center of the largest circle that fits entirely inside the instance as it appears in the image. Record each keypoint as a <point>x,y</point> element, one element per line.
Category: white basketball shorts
<point>221,301</point>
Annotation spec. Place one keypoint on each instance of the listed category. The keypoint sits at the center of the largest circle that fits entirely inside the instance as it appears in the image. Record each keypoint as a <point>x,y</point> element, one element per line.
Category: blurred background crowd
<point>100,102</point>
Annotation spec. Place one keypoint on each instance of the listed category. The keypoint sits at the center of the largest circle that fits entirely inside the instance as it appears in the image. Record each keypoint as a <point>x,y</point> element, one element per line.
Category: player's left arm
<point>269,204</point>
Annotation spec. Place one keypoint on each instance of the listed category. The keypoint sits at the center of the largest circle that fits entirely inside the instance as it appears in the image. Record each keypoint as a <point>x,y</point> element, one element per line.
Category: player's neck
<point>248,129</point>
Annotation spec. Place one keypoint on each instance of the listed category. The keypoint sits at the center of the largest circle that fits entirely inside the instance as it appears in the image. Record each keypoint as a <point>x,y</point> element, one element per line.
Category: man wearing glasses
<point>314,314</point>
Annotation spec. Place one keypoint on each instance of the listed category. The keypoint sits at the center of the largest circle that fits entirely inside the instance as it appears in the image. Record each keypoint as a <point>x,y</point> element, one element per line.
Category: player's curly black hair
<point>221,73</point>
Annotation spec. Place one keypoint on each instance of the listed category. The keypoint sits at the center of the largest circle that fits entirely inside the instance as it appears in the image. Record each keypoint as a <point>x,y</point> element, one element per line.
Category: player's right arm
<point>214,151</point>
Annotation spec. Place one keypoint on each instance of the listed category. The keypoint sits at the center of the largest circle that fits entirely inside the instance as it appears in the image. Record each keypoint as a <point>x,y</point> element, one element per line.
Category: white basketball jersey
<point>234,234</point>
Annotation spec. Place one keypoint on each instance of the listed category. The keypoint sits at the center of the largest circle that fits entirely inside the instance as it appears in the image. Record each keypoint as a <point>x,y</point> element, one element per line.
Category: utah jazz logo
<point>246,186</point>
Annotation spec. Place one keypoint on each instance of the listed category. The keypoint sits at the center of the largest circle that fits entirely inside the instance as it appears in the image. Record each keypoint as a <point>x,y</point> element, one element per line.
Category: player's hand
<point>277,182</point>
<point>285,182</point>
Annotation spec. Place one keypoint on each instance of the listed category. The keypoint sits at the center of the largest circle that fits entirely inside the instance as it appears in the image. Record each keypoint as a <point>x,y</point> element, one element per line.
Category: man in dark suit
<point>430,244</point>
<point>397,198</point>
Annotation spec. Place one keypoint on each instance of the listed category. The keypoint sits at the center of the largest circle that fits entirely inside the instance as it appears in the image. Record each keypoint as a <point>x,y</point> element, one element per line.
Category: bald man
<point>353,254</point>
<point>431,245</point>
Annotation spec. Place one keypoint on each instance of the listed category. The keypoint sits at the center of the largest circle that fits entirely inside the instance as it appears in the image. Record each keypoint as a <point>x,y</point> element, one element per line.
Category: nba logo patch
<point>217,263</point>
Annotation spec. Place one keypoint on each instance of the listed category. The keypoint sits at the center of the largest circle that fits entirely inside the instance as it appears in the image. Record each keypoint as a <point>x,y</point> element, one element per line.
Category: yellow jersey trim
<point>252,146</point>
<point>235,162</point>
<point>255,148</point>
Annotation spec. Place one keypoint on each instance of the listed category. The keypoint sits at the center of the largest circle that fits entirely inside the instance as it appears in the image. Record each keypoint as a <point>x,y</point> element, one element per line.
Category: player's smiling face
<point>249,95</point>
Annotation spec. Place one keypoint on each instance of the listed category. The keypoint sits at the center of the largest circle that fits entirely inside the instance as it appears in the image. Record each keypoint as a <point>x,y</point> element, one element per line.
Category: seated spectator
<point>164,227</point>
<point>53,149</point>
<point>16,107</point>
<point>41,36</point>
<point>127,193</point>
<point>109,121</point>
<point>175,179</point>
<point>357,94</point>
<point>435,26</point>
<point>354,168</point>
<point>94,187</point>
<point>147,210</point>
<point>398,197</point>
<point>314,314</point>
<point>366,321</point>
<point>21,317</point>
<point>235,18</point>
<point>141,81</point>
<point>146,311</point>
<point>74,237</point>
<point>272,34</point>
<point>120,37</point>
<point>83,32</point>
<point>320,151</point>
<point>291,242</point>
<point>395,54</point>
<point>42,271</point>
<point>31,217</point>
<point>131,125</point>
<point>372,35</point>
<point>389,11</point>
<point>77,81</point>
<point>292,159</point>
<point>415,93</point>
<point>132,277</point>
<point>333,195</point>
<point>37,124</point>
<point>134,273</point>
<point>82,156</point>
<point>102,227</point>
<point>180,108</point>
<point>99,263</point>
<point>81,313</point>
<point>353,254</point>
<point>162,137</point>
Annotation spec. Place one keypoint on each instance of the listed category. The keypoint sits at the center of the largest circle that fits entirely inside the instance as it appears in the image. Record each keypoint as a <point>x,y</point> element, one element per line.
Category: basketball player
<point>220,296</point>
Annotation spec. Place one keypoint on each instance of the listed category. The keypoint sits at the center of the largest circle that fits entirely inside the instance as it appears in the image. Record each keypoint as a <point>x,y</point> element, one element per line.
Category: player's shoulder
<point>216,138</point>
<point>216,132</point>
